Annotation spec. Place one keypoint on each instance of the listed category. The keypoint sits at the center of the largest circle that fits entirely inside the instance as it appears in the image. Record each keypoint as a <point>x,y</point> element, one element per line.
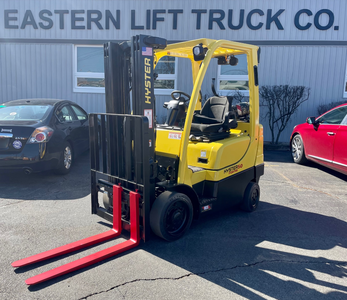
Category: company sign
<point>229,19</point>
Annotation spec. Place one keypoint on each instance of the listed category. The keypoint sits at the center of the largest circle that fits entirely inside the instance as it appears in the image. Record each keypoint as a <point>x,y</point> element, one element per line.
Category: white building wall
<point>42,71</point>
<point>321,68</point>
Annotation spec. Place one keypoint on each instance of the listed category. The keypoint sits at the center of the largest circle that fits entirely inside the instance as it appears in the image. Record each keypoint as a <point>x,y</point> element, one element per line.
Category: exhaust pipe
<point>27,171</point>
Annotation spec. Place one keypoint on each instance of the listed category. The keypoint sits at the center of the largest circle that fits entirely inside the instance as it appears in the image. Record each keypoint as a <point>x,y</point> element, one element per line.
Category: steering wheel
<point>179,96</point>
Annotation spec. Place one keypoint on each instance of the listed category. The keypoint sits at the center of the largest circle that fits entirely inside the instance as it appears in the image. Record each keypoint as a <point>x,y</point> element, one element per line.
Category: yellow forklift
<point>148,177</point>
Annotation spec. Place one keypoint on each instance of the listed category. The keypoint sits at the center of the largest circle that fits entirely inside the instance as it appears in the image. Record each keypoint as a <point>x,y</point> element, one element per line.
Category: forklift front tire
<point>251,197</point>
<point>171,215</point>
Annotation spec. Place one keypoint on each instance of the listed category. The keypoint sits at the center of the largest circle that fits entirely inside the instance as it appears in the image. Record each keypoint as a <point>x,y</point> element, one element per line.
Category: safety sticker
<point>175,135</point>
<point>177,54</point>
<point>147,51</point>
<point>149,114</point>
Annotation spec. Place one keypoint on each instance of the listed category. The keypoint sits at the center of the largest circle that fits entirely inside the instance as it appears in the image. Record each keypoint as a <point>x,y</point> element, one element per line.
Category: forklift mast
<point>126,133</point>
<point>129,77</point>
<point>129,81</point>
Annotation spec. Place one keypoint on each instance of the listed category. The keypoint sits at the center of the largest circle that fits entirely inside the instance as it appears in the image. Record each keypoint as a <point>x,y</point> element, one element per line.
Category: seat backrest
<point>215,107</point>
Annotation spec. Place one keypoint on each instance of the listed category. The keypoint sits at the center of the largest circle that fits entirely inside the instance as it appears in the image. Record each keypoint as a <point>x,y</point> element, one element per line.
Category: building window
<point>166,69</point>
<point>233,78</point>
<point>89,76</point>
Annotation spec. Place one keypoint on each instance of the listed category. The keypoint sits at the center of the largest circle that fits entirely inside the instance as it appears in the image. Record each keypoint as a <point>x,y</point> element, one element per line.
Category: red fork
<point>98,256</point>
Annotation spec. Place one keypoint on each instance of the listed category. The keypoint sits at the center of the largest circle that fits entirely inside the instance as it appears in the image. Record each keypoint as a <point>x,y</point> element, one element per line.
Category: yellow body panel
<point>219,154</point>
<point>226,157</point>
<point>168,141</point>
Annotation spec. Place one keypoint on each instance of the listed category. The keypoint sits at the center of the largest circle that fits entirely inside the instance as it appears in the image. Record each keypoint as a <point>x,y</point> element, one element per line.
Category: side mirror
<point>311,120</point>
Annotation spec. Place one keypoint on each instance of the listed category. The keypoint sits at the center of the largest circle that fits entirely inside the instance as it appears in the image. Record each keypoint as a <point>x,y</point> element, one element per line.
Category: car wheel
<point>66,160</point>
<point>171,215</point>
<point>298,151</point>
<point>251,197</point>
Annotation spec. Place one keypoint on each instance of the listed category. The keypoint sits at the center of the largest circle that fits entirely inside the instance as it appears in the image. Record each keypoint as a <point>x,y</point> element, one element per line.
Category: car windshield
<point>24,112</point>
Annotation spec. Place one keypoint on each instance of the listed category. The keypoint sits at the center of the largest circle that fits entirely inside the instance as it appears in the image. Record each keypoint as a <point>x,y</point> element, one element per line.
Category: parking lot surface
<point>293,247</point>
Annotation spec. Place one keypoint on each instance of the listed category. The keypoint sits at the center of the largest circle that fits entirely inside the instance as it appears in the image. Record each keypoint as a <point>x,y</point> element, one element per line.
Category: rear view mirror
<point>233,61</point>
<point>311,120</point>
<point>222,60</point>
<point>230,59</point>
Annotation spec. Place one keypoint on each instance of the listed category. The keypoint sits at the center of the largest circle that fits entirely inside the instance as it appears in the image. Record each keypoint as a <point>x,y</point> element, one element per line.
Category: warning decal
<point>149,114</point>
<point>175,135</point>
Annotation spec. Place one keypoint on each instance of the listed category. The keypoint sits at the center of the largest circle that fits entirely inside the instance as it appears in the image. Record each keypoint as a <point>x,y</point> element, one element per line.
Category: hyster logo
<point>147,80</point>
<point>233,169</point>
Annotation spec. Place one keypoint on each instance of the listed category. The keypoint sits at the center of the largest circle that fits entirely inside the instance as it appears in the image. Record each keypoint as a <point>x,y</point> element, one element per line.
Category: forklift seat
<point>214,116</point>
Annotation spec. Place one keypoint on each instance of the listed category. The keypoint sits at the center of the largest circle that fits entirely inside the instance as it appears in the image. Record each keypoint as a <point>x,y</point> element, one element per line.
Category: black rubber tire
<point>63,168</point>
<point>171,215</point>
<point>297,149</point>
<point>251,197</point>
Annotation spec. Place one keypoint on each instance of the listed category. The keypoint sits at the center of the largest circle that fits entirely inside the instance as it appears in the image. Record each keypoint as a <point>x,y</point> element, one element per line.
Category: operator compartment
<point>218,122</point>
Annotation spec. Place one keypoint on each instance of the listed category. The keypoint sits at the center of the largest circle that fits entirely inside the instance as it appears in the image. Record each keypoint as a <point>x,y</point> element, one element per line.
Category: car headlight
<point>294,127</point>
<point>41,135</point>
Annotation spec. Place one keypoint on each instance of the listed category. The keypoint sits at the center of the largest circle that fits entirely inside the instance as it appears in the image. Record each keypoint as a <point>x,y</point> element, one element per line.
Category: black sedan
<point>42,134</point>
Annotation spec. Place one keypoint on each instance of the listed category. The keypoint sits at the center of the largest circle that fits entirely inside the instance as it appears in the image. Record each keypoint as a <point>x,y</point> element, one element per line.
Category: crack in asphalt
<point>12,203</point>
<point>208,272</point>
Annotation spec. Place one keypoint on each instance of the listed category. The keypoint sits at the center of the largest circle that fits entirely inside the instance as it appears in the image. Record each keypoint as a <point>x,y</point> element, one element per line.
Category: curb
<point>276,147</point>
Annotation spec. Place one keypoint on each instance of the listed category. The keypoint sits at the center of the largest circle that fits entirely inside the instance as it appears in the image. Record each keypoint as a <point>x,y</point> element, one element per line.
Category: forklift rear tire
<point>251,197</point>
<point>171,215</point>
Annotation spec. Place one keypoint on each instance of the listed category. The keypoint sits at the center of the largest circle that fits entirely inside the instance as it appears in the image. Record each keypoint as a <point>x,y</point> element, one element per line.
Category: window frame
<point>331,111</point>
<point>101,90</point>
<point>81,110</point>
<point>167,77</point>
<point>344,95</point>
<point>76,75</point>
<point>231,78</point>
<point>70,110</point>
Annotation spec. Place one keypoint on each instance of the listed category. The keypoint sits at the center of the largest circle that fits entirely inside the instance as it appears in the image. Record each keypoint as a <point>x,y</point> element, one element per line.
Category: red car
<point>322,140</point>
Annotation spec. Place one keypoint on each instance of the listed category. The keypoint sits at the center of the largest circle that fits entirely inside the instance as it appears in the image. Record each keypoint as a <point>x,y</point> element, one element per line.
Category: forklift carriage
<point>148,177</point>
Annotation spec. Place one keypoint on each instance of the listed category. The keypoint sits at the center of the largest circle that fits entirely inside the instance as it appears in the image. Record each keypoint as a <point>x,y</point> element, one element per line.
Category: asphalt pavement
<point>293,247</point>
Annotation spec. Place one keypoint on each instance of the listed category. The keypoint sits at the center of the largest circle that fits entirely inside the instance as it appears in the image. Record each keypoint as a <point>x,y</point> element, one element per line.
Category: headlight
<point>294,127</point>
<point>41,135</point>
<point>197,50</point>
